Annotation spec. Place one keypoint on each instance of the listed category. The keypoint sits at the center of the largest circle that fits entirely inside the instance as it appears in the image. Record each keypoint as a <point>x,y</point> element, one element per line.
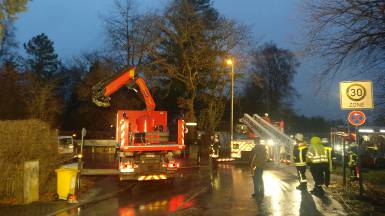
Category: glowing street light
<point>230,62</point>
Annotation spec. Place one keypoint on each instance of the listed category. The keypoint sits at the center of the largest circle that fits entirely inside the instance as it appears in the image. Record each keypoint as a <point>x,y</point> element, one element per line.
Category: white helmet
<point>298,137</point>
<point>324,140</point>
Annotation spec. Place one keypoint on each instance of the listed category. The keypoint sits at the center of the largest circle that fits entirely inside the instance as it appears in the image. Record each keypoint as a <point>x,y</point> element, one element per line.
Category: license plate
<point>150,155</point>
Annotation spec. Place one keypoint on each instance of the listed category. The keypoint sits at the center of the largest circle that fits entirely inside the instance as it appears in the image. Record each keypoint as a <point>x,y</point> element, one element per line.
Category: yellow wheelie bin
<point>66,182</point>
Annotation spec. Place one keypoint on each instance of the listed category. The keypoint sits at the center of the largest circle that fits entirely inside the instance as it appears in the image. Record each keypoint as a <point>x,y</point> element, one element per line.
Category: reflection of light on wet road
<point>273,190</point>
<point>230,194</point>
<point>284,199</point>
<point>175,203</point>
<point>126,212</point>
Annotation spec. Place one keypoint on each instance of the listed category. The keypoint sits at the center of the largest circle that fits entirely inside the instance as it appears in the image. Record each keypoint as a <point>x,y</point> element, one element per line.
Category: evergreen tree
<point>42,59</point>
<point>44,80</point>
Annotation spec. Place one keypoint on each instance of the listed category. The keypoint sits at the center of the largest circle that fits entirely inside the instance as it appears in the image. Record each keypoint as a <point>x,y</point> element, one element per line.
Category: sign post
<point>359,163</point>
<point>358,118</point>
<point>344,157</point>
<point>356,95</point>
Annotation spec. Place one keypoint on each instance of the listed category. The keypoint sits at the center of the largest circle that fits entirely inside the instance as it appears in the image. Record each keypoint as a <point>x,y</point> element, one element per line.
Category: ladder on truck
<point>264,129</point>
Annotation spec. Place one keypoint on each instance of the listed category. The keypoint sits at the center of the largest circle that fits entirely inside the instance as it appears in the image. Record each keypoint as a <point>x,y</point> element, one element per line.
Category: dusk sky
<point>75,27</point>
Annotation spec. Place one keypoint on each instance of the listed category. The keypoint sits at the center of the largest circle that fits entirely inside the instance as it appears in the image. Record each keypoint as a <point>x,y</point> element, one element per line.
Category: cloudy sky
<point>75,26</point>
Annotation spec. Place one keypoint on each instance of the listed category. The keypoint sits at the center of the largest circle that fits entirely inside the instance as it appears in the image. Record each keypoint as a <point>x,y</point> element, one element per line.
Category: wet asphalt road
<point>225,192</point>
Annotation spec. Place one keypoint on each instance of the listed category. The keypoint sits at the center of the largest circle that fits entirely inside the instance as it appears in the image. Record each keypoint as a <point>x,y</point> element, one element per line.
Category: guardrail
<point>98,143</point>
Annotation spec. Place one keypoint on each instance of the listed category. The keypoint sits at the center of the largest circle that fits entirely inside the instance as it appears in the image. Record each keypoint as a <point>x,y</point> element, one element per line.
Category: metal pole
<point>232,103</point>
<point>80,157</point>
<point>344,161</point>
<point>359,162</point>
<point>344,157</point>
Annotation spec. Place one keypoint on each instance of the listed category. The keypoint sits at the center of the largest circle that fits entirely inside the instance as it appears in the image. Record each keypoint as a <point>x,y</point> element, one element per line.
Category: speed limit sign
<point>356,95</point>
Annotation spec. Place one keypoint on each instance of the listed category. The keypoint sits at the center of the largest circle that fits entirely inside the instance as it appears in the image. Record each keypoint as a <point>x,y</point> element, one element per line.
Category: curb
<point>98,199</point>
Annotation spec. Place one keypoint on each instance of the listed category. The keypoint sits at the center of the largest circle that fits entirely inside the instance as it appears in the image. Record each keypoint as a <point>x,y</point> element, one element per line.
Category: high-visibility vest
<point>329,153</point>
<point>300,155</point>
<point>317,154</point>
<point>352,159</point>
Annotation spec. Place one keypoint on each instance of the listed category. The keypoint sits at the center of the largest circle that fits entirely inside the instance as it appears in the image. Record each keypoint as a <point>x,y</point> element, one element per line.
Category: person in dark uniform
<point>299,155</point>
<point>352,163</point>
<point>257,166</point>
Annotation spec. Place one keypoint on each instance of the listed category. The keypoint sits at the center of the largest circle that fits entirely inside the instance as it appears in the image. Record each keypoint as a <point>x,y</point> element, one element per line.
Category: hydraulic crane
<point>144,151</point>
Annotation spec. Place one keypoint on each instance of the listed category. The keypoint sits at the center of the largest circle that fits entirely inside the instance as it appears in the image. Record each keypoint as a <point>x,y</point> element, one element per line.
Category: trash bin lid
<point>70,165</point>
<point>66,170</point>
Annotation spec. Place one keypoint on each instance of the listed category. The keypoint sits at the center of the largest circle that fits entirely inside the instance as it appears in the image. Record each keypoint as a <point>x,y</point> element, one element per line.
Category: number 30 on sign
<point>356,95</point>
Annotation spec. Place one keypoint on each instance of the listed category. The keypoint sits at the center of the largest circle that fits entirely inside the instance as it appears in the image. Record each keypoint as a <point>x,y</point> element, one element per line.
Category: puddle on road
<point>175,203</point>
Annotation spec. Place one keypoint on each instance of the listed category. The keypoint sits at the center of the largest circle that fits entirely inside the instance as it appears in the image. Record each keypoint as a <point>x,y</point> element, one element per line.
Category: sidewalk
<point>104,188</point>
<point>373,202</point>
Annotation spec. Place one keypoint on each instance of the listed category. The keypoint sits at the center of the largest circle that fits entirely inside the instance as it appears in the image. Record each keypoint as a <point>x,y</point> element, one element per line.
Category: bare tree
<point>348,33</point>
<point>8,11</point>
<point>8,43</point>
<point>273,70</point>
<point>127,36</point>
<point>194,41</point>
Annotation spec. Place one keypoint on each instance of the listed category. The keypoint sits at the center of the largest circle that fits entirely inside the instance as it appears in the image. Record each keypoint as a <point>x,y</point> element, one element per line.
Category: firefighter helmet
<point>299,137</point>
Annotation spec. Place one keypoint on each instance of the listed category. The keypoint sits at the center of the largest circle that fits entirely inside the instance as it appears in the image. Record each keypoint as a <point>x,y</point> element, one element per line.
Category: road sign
<point>356,118</point>
<point>356,95</point>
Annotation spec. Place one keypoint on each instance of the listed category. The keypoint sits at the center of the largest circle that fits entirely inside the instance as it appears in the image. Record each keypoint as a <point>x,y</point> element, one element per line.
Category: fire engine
<point>144,151</point>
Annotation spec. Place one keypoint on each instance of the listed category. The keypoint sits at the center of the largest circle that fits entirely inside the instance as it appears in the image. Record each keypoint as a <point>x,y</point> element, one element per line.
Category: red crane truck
<point>144,151</point>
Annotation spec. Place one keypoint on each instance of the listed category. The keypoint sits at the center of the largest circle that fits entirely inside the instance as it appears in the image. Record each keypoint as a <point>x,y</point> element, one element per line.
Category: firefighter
<point>215,145</point>
<point>329,151</point>
<point>299,154</point>
<point>257,165</point>
<point>352,163</point>
<point>318,159</point>
<point>267,118</point>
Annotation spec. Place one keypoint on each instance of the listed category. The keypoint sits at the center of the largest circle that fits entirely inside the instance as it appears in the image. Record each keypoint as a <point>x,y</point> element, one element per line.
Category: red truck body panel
<point>151,126</point>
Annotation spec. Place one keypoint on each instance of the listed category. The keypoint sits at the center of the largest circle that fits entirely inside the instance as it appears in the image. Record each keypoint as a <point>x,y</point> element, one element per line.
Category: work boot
<point>317,191</point>
<point>302,187</point>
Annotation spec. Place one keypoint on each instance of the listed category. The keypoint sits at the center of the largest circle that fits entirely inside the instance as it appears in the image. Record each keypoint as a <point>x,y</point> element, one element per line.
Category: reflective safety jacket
<point>317,154</point>
<point>352,159</point>
<point>329,150</point>
<point>299,154</point>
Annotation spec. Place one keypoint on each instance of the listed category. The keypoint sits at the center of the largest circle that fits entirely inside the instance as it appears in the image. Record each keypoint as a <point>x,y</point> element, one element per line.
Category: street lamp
<point>230,62</point>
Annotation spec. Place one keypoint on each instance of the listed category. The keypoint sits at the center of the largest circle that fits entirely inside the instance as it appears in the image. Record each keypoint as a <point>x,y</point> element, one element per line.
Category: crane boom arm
<point>102,91</point>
